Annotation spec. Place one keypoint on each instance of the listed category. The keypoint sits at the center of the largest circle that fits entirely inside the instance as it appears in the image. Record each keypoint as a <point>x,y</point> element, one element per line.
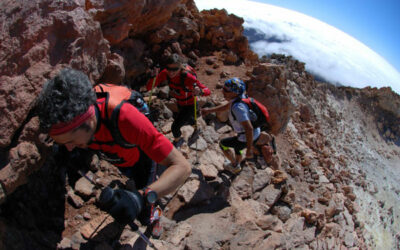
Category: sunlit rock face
<point>36,42</point>
<point>133,18</point>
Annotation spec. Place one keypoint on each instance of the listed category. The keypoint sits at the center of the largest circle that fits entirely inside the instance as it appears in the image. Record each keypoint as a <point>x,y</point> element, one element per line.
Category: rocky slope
<point>338,148</point>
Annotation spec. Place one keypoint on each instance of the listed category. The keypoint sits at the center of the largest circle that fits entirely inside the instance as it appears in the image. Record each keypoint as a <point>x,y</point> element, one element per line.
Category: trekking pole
<point>132,225</point>
<point>90,180</point>
<point>135,228</point>
<point>151,91</point>
<point>195,126</point>
<point>152,87</point>
<point>97,186</point>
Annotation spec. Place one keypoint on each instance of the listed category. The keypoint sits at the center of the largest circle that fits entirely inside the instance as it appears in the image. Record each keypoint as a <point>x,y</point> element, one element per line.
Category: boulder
<point>268,86</point>
<point>49,39</point>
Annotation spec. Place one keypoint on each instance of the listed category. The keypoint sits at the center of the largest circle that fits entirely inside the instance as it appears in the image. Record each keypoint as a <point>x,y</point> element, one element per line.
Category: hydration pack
<point>188,69</point>
<point>259,109</point>
<point>115,96</point>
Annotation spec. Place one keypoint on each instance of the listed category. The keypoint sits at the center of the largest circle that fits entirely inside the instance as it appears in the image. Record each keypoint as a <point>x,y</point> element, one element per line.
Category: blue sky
<point>374,23</point>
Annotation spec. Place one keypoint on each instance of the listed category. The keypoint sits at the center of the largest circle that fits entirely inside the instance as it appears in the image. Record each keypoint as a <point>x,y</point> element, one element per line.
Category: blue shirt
<point>242,113</point>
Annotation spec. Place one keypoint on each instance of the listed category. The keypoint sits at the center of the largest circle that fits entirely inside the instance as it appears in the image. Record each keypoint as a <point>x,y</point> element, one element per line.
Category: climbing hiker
<point>75,117</point>
<point>183,85</point>
<point>240,117</point>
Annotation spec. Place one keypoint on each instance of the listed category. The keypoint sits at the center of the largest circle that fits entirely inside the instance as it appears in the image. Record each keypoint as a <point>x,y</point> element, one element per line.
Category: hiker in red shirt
<point>183,86</point>
<point>69,110</point>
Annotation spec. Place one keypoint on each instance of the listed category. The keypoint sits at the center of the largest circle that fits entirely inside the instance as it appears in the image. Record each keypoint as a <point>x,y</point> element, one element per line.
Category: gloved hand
<point>123,205</point>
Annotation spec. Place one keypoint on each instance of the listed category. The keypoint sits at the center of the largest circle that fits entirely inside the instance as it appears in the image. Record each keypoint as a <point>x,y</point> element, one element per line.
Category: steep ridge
<point>336,186</point>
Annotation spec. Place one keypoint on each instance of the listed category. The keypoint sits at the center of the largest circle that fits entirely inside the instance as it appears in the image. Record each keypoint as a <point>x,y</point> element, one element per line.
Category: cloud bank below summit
<point>328,52</point>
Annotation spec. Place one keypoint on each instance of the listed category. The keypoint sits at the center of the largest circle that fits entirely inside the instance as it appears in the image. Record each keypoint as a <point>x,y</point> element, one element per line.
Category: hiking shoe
<point>193,138</point>
<point>233,169</point>
<point>178,143</point>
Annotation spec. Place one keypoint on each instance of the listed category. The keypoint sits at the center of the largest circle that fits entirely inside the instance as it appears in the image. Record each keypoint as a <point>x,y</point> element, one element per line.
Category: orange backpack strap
<point>115,96</point>
<point>188,69</point>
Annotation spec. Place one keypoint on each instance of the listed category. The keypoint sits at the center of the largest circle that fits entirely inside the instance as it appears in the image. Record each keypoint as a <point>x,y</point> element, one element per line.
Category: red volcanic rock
<point>39,38</point>
<point>268,86</point>
<point>182,25</point>
<point>115,70</point>
<point>133,18</point>
<point>226,31</point>
<point>24,160</point>
<point>386,105</point>
<point>310,216</point>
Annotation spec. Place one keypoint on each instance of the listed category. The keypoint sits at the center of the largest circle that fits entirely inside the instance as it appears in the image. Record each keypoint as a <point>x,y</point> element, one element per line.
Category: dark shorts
<point>185,116</point>
<point>233,142</point>
<point>143,172</point>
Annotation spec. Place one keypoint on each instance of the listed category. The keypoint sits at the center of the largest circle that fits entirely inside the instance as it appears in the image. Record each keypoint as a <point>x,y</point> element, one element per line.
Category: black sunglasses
<point>173,69</point>
<point>225,90</point>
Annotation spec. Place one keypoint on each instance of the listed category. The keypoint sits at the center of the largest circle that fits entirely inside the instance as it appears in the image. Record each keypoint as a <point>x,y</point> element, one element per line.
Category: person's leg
<point>226,144</point>
<point>185,116</point>
<point>238,147</point>
<point>239,158</point>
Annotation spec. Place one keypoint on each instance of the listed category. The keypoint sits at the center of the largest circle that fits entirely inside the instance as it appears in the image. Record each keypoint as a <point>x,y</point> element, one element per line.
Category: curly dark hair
<point>64,97</point>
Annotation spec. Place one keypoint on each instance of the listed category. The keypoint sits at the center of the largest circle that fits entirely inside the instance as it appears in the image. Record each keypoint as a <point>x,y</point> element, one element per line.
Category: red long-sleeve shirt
<point>182,93</point>
<point>136,129</point>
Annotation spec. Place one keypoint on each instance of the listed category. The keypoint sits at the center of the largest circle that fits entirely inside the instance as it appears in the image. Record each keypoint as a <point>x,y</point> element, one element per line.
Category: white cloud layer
<point>327,51</point>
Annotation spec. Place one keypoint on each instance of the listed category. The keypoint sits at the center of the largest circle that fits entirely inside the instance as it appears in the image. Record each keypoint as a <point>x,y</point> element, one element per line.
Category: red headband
<point>63,127</point>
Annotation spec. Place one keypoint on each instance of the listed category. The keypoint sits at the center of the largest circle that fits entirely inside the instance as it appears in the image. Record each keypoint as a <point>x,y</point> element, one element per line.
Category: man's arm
<point>248,128</point>
<point>219,108</point>
<point>201,89</point>
<point>178,170</point>
<point>156,80</point>
<point>137,129</point>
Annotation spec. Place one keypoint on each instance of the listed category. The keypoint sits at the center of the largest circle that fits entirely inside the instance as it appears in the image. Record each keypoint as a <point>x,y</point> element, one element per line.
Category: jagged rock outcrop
<point>38,38</point>
<point>225,31</point>
<point>268,84</point>
<point>120,20</point>
<point>384,105</point>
